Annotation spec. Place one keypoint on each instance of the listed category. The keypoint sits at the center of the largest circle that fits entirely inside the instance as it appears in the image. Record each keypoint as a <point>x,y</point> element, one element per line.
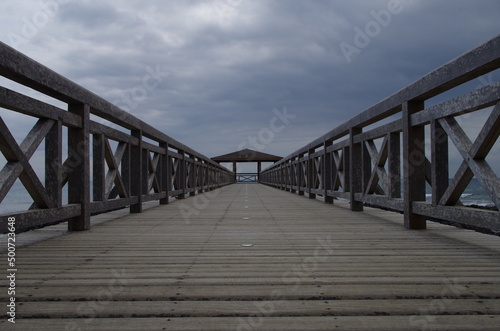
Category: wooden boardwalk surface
<point>250,257</point>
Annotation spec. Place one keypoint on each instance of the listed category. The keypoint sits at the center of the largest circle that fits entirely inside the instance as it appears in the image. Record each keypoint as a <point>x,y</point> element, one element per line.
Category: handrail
<point>346,162</point>
<point>134,172</point>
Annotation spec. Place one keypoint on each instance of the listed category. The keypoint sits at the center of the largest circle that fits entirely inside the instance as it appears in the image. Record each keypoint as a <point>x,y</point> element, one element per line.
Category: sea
<point>18,198</point>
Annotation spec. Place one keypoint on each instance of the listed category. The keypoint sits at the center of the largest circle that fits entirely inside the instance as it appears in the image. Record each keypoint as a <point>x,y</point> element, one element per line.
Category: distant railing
<point>127,169</point>
<point>247,177</point>
<point>347,163</point>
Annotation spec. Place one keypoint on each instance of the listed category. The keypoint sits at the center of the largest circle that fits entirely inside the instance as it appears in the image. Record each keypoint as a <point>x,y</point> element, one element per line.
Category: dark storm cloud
<point>226,65</point>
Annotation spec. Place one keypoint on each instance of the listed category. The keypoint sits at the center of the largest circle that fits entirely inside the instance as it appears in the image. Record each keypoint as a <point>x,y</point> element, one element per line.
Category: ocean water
<point>18,198</point>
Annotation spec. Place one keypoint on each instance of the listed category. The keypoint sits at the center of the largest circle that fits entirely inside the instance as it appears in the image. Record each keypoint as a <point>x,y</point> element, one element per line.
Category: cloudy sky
<point>271,75</point>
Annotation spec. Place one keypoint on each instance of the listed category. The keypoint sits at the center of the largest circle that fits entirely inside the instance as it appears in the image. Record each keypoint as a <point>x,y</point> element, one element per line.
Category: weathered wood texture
<point>366,173</point>
<point>133,172</point>
<point>311,266</point>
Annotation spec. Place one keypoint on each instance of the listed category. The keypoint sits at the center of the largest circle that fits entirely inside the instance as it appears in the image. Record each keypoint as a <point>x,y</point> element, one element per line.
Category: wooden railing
<point>347,163</point>
<point>247,177</point>
<point>132,162</point>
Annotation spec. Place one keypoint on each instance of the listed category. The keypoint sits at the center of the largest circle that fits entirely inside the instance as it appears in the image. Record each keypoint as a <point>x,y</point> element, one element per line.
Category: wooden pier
<point>215,255</point>
<point>255,258</point>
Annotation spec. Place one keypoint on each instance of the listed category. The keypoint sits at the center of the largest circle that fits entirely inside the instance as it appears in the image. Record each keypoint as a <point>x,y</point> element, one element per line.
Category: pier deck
<point>250,257</point>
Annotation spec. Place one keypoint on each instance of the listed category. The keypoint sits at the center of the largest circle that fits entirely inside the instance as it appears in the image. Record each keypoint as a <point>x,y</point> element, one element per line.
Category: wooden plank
<point>338,145</point>
<point>97,207</point>
<point>38,218</point>
<point>337,194</point>
<point>478,99</point>
<point>394,204</point>
<point>153,148</point>
<point>263,322</point>
<point>380,132</point>
<point>154,196</point>
<point>25,105</point>
<point>290,289</point>
<point>110,133</point>
<point>462,215</point>
<point>312,266</point>
<point>143,309</point>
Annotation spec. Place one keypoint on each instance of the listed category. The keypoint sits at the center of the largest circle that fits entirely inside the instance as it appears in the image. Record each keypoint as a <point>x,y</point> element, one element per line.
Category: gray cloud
<point>230,63</point>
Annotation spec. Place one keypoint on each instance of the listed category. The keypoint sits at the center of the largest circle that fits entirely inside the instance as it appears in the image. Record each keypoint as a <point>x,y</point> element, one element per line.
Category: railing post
<point>394,165</point>
<point>136,167</point>
<point>181,174</point>
<point>207,177</point>
<point>201,175</point>
<point>145,170</point>
<point>327,172</point>
<point>235,171</point>
<point>282,177</point>
<point>79,177</point>
<point>53,163</point>
<point>259,170</point>
<point>439,161</point>
<point>206,186</point>
<point>192,177</point>
<point>126,170</point>
<point>301,173</point>
<point>355,169</point>
<point>99,175</point>
<point>414,165</point>
<point>210,177</point>
<point>367,166</point>
<point>164,171</point>
<point>310,174</point>
<point>288,176</point>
